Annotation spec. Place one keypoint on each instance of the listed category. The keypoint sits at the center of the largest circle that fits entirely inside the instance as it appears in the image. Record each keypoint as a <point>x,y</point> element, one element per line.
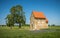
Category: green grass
<point>24,32</point>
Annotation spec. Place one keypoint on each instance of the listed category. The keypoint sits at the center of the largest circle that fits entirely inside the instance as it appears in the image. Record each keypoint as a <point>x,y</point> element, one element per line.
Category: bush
<point>53,25</point>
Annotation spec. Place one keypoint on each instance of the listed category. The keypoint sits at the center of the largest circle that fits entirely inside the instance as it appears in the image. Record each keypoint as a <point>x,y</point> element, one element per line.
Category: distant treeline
<point>53,25</point>
<point>14,25</point>
<point>3,25</point>
<point>28,25</point>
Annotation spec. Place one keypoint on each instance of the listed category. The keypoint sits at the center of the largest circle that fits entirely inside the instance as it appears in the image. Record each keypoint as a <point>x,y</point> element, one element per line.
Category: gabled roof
<point>38,14</point>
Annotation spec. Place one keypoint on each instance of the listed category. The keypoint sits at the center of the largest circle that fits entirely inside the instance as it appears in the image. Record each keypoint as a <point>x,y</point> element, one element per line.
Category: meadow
<point>24,32</point>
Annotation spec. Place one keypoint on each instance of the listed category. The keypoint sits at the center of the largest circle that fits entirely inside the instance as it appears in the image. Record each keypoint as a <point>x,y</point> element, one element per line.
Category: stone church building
<point>38,21</point>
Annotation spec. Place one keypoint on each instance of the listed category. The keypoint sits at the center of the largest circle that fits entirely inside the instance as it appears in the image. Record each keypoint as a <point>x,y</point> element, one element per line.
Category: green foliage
<point>17,16</point>
<point>53,25</point>
<point>9,20</point>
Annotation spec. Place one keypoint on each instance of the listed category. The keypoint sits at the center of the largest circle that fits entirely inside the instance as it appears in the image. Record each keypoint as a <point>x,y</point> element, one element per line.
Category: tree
<point>17,16</point>
<point>10,21</point>
<point>20,15</point>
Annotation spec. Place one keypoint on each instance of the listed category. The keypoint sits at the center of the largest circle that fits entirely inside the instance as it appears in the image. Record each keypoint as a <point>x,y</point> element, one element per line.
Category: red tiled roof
<point>38,14</point>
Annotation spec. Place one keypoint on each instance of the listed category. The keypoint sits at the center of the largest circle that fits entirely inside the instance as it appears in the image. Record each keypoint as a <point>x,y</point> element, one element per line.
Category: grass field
<point>24,32</point>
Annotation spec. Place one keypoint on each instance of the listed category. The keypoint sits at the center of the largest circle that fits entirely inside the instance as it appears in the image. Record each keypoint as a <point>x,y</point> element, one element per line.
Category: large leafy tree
<point>17,16</point>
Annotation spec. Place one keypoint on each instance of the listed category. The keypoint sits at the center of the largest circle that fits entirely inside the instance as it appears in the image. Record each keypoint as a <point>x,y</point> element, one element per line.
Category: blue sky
<point>51,9</point>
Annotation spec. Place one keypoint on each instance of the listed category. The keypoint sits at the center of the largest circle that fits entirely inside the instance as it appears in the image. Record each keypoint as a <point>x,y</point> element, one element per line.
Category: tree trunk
<point>19,25</point>
<point>10,27</point>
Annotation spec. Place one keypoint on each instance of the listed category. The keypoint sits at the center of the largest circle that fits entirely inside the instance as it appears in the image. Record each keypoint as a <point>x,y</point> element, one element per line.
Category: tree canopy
<point>17,15</point>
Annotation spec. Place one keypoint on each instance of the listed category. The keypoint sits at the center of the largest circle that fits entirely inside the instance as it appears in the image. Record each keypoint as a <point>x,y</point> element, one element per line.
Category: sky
<point>50,8</point>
